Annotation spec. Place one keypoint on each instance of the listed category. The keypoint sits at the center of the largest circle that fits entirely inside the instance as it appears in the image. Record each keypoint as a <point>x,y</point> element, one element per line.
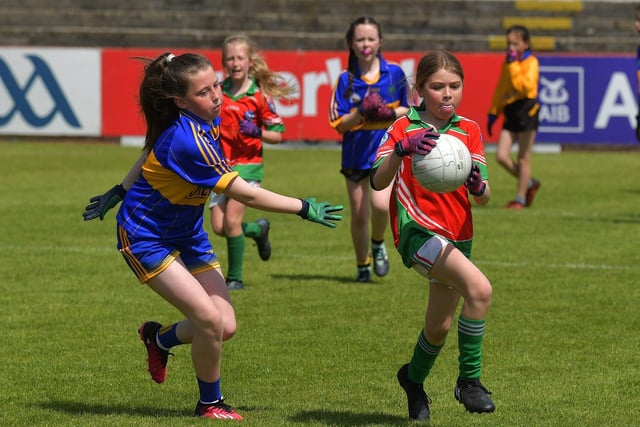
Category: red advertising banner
<point>313,72</point>
<point>584,98</point>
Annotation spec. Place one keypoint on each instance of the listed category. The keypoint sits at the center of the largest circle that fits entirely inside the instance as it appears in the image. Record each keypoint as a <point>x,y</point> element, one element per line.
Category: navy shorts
<point>355,175</point>
<point>147,257</point>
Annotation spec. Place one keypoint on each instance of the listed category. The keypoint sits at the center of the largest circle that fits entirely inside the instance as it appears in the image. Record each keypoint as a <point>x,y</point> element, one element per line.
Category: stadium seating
<point>563,26</point>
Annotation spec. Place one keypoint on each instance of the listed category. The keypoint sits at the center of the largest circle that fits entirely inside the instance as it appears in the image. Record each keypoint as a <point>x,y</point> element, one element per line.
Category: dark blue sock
<point>167,337</point>
<point>209,392</point>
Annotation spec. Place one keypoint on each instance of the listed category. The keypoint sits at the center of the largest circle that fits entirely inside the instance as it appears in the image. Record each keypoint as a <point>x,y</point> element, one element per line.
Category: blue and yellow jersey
<point>185,164</point>
<point>359,144</point>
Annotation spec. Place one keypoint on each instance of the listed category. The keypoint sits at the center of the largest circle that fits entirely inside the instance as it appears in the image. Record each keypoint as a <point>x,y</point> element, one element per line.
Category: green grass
<point>314,348</point>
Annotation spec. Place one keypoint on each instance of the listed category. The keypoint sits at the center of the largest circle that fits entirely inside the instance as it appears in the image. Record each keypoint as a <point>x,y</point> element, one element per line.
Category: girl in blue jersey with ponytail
<point>160,222</point>
<point>366,98</point>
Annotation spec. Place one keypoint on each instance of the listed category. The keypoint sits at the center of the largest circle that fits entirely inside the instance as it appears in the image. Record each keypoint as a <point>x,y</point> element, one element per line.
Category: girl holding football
<point>433,232</point>
<point>516,96</point>
<point>160,222</point>
<point>367,96</point>
<point>248,118</point>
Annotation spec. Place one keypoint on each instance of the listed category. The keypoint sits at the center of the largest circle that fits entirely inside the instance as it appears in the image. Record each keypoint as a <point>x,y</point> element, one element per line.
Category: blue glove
<point>247,127</point>
<point>512,56</point>
<point>474,183</point>
<point>320,212</point>
<point>491,119</point>
<point>420,142</point>
<point>99,205</point>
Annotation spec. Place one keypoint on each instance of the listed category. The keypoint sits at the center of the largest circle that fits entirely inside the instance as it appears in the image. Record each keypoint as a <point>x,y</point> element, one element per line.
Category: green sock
<point>251,229</point>
<point>235,249</point>
<point>424,356</point>
<point>470,333</point>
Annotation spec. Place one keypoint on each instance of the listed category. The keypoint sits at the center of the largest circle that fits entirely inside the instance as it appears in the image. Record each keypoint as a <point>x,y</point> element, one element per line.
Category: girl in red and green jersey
<point>433,232</point>
<point>248,119</point>
<point>367,96</point>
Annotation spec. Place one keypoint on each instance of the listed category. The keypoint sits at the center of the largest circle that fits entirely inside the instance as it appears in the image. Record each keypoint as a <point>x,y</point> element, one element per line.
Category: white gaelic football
<point>445,168</point>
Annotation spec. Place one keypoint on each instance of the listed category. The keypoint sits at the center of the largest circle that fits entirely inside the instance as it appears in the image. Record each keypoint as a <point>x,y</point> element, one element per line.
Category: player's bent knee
<point>209,322</point>
<point>229,330</point>
<point>481,293</point>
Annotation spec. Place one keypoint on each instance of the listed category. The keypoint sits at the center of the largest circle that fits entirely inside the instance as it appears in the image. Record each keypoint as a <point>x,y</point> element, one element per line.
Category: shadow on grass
<point>615,219</point>
<point>304,277</point>
<point>349,418</point>
<point>83,408</point>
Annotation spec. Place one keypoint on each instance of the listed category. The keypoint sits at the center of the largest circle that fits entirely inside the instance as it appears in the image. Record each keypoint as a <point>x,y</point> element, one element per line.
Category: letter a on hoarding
<point>19,95</point>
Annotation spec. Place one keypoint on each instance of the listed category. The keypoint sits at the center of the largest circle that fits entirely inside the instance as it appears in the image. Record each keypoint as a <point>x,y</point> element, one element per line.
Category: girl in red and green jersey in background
<point>248,119</point>
<point>367,96</point>
<point>433,233</point>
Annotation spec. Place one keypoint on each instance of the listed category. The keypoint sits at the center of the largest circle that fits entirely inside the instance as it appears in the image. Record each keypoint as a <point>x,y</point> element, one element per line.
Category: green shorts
<point>414,237</point>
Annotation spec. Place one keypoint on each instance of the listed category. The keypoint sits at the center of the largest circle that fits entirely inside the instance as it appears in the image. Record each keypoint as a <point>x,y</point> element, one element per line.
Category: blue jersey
<point>167,200</point>
<point>359,145</point>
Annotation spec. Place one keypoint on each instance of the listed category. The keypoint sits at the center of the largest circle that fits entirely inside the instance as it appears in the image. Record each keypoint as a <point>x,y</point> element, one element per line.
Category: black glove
<point>491,120</point>
<point>99,205</point>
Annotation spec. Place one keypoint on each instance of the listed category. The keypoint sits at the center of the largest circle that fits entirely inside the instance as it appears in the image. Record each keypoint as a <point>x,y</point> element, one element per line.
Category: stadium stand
<point>562,26</point>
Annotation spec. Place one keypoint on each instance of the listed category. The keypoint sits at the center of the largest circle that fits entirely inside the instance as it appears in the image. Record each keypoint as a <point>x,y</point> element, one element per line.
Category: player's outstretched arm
<point>260,198</point>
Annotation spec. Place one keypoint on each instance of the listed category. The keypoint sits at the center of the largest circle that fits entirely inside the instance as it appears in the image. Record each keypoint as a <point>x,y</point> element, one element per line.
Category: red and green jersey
<point>414,208</point>
<point>244,153</point>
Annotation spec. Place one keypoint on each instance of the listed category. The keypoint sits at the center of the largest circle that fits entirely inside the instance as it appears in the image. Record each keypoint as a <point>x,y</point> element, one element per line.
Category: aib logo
<point>561,94</point>
<point>41,73</point>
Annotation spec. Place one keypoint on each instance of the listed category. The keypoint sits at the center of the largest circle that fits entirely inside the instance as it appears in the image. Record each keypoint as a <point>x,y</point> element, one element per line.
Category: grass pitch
<point>313,347</point>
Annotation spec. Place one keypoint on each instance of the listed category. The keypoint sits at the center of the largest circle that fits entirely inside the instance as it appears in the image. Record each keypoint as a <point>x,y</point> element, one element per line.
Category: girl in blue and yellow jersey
<point>516,96</point>
<point>160,222</point>
<point>367,96</point>
<point>248,119</point>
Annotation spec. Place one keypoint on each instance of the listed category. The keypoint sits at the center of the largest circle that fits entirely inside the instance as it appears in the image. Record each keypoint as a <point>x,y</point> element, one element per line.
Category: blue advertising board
<point>587,99</point>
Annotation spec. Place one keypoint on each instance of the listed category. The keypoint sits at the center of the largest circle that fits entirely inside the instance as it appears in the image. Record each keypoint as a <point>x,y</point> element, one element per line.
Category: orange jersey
<point>518,80</point>
<point>411,205</point>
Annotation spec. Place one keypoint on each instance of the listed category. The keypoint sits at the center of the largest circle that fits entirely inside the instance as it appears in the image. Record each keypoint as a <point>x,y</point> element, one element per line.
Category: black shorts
<point>355,175</point>
<point>522,115</point>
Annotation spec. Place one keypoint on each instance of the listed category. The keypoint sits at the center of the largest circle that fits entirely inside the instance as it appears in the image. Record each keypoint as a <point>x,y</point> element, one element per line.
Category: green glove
<point>320,212</point>
<point>99,205</point>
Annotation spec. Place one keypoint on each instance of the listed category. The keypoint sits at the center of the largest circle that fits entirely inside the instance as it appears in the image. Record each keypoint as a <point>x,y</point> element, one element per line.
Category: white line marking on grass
<point>69,249</point>
<point>570,266</point>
